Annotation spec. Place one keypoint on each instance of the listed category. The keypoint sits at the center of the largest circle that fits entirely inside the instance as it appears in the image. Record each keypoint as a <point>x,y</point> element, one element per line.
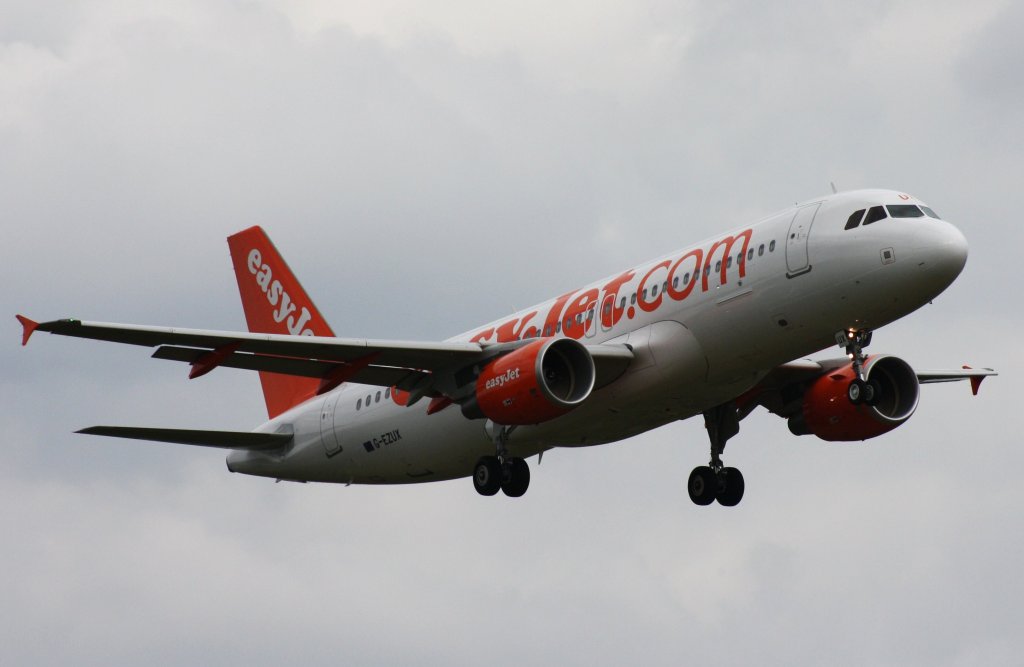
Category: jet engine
<point>538,382</point>
<point>828,413</point>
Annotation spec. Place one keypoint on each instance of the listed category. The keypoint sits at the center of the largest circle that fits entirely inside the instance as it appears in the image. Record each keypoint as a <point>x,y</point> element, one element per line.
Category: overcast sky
<point>429,166</point>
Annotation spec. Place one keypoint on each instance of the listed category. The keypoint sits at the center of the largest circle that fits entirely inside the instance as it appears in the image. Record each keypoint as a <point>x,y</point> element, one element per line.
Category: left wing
<point>778,390</point>
<point>975,375</point>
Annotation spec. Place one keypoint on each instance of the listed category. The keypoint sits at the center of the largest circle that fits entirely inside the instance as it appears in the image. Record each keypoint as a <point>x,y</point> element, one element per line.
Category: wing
<point>782,388</point>
<point>423,369</point>
<point>975,375</point>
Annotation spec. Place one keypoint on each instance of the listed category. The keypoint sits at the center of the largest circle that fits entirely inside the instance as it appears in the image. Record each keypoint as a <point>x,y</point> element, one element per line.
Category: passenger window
<point>608,308</point>
<point>875,213</point>
<point>387,393</point>
<point>686,278</point>
<point>718,266</point>
<point>728,262</point>
<point>359,404</point>
<point>558,326</point>
<point>622,302</point>
<point>654,291</point>
<point>547,331</point>
<point>377,399</point>
<point>675,282</point>
<point>368,397</point>
<point>771,246</point>
<point>854,219</point>
<point>750,254</point>
<point>707,270</point>
<point>930,213</point>
<point>632,299</point>
<point>760,250</point>
<point>904,211</point>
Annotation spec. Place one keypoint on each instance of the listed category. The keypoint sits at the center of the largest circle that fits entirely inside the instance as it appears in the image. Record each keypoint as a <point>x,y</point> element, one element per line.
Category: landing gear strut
<point>715,481</point>
<point>860,389</point>
<point>509,474</point>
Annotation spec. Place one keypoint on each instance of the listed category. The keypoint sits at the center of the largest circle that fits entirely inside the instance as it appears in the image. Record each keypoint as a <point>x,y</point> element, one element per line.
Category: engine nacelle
<point>540,381</point>
<point>828,413</point>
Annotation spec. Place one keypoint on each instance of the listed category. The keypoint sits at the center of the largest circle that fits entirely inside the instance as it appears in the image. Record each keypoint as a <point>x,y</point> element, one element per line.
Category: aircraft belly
<point>405,445</point>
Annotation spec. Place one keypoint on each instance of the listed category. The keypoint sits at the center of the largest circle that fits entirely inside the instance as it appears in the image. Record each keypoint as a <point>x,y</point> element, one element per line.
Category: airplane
<point>715,329</point>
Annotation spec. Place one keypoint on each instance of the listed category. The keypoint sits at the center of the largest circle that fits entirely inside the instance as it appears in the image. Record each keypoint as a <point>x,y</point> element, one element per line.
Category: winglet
<point>975,380</point>
<point>30,326</point>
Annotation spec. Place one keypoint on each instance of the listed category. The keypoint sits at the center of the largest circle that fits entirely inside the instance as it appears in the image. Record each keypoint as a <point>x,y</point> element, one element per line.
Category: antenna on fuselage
<point>833,184</point>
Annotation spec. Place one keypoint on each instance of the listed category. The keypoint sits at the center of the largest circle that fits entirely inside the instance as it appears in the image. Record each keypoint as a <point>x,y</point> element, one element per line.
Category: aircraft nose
<point>946,251</point>
<point>953,250</point>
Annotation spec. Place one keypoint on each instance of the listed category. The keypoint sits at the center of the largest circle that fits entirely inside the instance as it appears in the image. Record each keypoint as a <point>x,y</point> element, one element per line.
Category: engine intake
<point>828,413</point>
<point>538,382</point>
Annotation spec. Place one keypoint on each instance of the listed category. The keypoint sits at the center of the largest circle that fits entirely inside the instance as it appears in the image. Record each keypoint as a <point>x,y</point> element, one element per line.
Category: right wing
<point>419,368</point>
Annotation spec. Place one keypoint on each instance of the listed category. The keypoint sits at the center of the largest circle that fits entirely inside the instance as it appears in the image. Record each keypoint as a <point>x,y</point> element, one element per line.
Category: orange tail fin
<point>275,303</point>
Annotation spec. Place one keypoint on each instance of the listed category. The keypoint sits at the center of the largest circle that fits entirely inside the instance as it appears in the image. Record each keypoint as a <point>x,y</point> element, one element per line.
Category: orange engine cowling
<point>540,381</point>
<point>828,413</point>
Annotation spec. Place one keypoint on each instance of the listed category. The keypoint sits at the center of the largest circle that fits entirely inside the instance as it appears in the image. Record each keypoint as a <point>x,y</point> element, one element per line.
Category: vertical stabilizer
<point>275,303</point>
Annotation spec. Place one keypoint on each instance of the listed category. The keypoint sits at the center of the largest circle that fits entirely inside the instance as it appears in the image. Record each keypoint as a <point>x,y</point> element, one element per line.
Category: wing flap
<point>221,439</point>
<point>384,376</point>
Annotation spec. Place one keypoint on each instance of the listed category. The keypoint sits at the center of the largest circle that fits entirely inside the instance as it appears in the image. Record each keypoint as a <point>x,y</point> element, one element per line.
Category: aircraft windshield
<point>904,211</point>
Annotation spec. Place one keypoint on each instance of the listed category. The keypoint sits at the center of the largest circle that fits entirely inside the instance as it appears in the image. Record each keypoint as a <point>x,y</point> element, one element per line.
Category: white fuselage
<point>705,323</point>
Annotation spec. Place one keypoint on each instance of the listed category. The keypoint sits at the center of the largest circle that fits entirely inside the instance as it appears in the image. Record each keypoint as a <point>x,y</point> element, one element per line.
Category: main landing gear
<point>860,390</point>
<point>716,481</point>
<point>509,474</point>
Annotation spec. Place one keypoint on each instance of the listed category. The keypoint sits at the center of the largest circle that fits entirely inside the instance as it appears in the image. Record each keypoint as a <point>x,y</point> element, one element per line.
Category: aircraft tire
<point>519,479</point>
<point>874,393</point>
<point>731,491</point>
<point>857,391</point>
<point>702,485</point>
<point>487,476</point>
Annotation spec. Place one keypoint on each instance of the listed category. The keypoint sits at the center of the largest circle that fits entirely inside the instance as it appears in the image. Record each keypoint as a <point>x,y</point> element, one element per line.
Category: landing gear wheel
<point>518,479</point>
<point>703,485</point>
<point>874,393</point>
<point>730,490</point>
<point>857,391</point>
<point>487,475</point>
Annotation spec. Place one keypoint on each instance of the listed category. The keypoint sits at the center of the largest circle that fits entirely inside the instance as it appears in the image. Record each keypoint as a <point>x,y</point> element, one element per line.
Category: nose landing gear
<point>860,389</point>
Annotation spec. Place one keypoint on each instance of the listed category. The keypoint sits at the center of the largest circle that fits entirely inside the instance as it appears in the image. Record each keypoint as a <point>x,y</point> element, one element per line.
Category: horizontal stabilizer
<point>223,439</point>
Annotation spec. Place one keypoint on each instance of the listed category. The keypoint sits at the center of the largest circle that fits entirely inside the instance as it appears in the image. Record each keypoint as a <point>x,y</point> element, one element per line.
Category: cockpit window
<point>930,213</point>
<point>854,219</point>
<point>875,213</point>
<point>904,211</point>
